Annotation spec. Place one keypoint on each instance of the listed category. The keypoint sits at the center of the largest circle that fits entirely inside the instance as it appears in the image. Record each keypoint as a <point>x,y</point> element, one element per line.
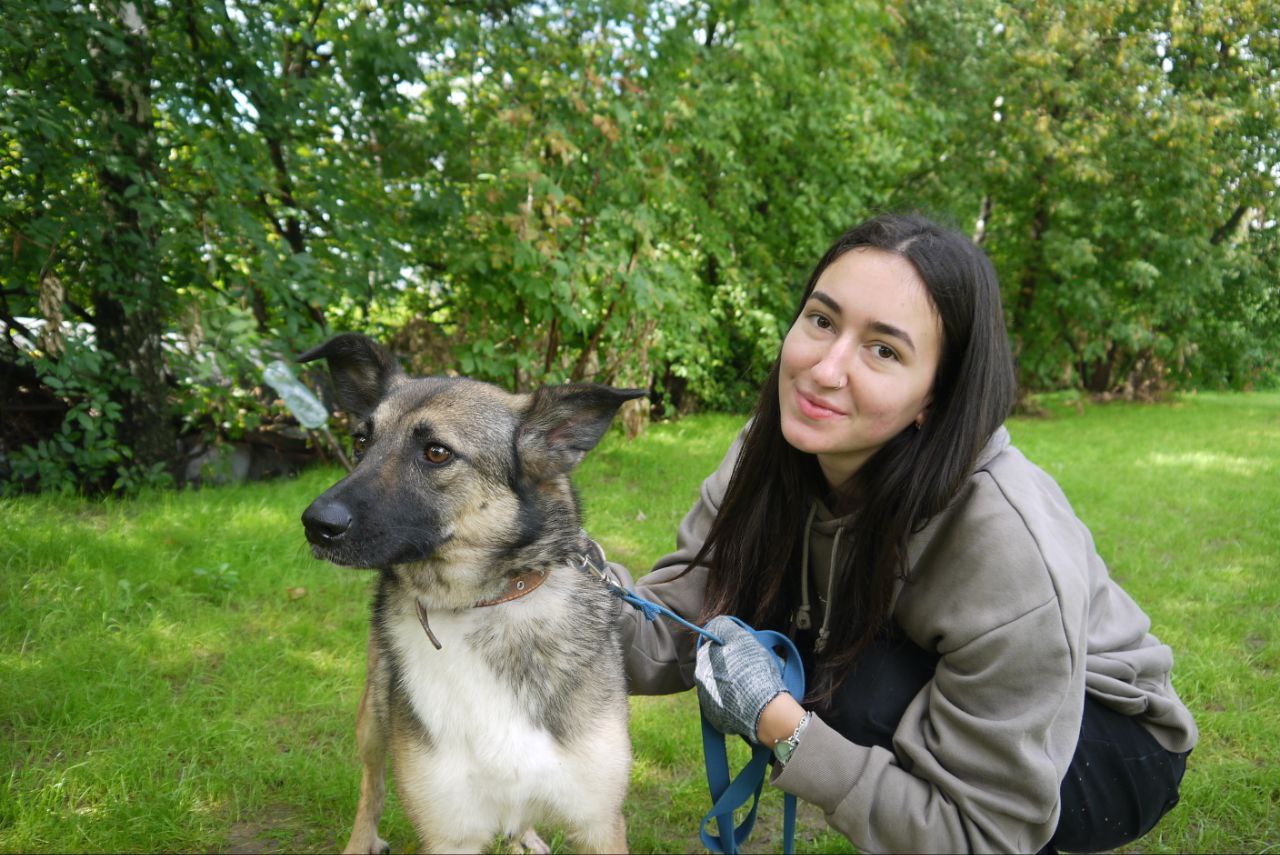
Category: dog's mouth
<point>346,554</point>
<point>339,555</point>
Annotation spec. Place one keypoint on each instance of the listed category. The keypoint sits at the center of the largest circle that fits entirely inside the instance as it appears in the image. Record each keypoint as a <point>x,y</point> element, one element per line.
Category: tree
<point>194,187</point>
<point>615,190</point>
<point>1122,159</point>
<point>86,87</point>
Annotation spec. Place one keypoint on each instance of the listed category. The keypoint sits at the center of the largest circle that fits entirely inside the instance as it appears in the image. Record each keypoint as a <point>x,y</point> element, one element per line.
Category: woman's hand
<point>779,719</point>
<point>737,679</point>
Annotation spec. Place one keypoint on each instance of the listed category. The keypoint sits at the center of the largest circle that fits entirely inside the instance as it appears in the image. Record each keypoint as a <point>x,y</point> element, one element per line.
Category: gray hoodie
<point>1007,588</point>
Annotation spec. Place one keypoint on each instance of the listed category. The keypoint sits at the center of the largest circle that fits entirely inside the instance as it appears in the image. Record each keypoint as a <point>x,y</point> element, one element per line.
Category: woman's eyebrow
<point>876,326</point>
<point>893,332</point>
<point>826,301</point>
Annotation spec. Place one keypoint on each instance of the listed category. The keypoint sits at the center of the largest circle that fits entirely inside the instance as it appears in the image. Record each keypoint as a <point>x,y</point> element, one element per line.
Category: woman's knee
<point>1121,782</point>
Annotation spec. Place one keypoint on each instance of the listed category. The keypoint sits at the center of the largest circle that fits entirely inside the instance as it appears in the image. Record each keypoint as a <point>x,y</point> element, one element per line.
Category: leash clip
<point>650,610</point>
<point>592,567</point>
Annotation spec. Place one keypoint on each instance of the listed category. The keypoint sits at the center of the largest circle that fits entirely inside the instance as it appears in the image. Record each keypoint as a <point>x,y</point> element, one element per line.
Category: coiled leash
<point>726,795</point>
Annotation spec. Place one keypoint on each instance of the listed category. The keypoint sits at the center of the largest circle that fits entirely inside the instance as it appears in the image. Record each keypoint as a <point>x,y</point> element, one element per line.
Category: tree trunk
<point>129,296</point>
<point>1029,282</point>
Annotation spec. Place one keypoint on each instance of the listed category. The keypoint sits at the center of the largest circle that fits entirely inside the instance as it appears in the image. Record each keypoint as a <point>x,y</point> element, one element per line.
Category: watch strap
<point>784,748</point>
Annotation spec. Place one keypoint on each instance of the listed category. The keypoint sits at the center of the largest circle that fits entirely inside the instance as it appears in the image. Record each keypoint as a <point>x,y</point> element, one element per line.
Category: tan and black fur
<point>520,716</point>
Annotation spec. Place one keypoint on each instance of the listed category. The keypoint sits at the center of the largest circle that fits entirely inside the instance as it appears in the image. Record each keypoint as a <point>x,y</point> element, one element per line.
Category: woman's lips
<point>815,408</point>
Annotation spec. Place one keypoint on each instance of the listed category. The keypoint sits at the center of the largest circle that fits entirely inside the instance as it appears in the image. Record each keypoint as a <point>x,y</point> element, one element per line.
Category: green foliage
<point>1122,160</point>
<point>87,448</point>
<point>614,190</point>
<point>643,186</point>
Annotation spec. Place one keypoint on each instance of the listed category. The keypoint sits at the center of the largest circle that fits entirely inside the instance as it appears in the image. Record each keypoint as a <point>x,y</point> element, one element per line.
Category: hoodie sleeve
<point>975,768</point>
<point>660,653</point>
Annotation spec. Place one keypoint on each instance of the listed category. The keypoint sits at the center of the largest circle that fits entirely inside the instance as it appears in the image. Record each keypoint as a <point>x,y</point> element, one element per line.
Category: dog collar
<point>517,587</point>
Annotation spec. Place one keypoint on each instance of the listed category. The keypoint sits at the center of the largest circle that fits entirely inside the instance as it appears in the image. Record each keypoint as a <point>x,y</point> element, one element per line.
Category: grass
<point>176,672</point>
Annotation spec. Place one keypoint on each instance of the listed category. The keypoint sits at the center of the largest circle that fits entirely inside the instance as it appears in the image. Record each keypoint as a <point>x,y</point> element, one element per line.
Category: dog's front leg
<point>611,837</point>
<point>371,741</point>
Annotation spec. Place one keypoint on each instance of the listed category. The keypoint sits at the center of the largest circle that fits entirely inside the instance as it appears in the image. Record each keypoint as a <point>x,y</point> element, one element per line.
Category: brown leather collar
<point>517,587</point>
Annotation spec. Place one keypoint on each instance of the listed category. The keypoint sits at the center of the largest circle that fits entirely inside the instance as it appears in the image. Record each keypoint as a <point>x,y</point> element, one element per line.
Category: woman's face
<point>858,365</point>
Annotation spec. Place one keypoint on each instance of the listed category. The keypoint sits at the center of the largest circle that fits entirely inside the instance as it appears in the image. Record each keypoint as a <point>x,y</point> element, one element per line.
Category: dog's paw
<point>530,843</point>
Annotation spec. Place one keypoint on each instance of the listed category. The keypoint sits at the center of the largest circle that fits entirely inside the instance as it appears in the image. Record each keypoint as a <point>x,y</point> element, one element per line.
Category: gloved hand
<point>735,679</point>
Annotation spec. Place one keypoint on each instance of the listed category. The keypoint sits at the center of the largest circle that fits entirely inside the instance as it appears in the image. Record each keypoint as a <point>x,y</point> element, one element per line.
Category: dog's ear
<point>361,371</point>
<point>563,423</point>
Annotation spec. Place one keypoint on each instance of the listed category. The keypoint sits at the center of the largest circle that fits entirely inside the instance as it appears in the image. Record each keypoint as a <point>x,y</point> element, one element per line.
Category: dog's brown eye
<point>437,454</point>
<point>359,443</point>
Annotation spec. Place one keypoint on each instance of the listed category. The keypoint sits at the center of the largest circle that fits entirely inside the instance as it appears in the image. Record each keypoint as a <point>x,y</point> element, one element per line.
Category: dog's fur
<point>521,715</point>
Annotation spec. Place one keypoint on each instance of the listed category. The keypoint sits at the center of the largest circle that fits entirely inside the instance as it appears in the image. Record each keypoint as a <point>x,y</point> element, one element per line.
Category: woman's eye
<point>437,454</point>
<point>820,321</point>
<point>885,352</point>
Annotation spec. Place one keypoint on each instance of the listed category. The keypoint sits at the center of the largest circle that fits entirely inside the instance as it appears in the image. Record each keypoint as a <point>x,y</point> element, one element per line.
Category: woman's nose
<point>832,369</point>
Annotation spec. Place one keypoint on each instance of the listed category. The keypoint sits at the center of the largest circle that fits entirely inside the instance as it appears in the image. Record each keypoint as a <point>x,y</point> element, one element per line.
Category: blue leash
<point>651,610</point>
<point>594,562</point>
<point>726,795</point>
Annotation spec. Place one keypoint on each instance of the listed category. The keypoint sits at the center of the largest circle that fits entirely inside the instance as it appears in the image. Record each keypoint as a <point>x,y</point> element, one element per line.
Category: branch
<point>984,217</point>
<point>270,215</point>
<point>553,346</point>
<point>11,323</point>
<point>315,15</point>
<point>1221,232</point>
<point>580,366</point>
<point>80,312</point>
<point>713,21</point>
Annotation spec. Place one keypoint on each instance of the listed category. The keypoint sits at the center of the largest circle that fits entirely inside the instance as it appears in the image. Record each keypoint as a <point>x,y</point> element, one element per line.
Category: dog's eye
<point>437,454</point>
<point>359,443</point>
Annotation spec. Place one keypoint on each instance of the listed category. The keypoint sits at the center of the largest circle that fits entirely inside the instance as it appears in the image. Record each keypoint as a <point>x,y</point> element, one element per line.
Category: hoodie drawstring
<point>802,614</point>
<point>825,631</point>
<point>803,618</point>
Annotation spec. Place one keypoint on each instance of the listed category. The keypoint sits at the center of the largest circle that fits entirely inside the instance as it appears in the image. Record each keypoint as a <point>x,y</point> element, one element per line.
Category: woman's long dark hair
<point>755,543</point>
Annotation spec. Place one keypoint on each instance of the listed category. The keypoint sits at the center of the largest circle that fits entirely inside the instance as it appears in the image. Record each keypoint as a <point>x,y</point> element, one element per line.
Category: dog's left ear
<point>563,423</point>
<point>361,371</point>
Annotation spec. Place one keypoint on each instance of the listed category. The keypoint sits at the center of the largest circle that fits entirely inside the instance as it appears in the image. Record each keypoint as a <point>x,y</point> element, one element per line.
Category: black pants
<point>1120,782</point>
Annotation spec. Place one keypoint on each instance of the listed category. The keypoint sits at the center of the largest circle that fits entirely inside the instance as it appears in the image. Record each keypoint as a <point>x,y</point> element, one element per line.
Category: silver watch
<point>784,748</point>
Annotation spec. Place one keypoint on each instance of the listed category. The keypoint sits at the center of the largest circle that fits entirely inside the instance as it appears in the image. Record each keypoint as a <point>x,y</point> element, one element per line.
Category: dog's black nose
<point>326,522</point>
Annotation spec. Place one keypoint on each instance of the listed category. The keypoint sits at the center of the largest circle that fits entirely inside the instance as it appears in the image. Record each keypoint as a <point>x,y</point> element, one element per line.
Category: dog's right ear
<point>361,371</point>
<point>563,423</point>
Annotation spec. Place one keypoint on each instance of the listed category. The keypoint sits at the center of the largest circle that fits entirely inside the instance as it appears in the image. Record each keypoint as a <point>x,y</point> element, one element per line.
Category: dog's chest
<point>473,717</point>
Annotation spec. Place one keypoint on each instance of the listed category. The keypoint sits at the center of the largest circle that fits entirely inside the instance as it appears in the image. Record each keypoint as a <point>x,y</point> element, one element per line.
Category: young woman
<point>977,682</point>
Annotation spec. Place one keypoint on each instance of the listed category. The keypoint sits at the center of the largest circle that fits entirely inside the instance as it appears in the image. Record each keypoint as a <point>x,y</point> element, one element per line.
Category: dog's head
<point>455,479</point>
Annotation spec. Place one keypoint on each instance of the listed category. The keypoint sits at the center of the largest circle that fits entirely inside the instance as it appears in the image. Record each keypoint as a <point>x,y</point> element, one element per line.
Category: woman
<point>976,680</point>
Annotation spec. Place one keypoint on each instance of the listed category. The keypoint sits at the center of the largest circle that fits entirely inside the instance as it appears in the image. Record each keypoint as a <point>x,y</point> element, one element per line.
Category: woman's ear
<point>919,419</point>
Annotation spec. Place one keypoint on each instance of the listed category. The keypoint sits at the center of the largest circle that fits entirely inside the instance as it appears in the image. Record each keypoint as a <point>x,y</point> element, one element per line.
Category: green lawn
<point>176,672</point>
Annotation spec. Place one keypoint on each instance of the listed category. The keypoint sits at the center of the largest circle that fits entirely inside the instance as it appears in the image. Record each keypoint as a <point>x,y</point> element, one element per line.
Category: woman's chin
<point>803,437</point>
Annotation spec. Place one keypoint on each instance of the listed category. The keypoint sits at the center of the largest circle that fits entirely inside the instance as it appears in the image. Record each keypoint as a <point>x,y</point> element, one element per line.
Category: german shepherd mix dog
<point>495,673</point>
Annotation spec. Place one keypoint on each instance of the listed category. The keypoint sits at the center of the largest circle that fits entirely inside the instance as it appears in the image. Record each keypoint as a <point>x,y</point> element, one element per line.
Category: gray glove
<point>735,679</point>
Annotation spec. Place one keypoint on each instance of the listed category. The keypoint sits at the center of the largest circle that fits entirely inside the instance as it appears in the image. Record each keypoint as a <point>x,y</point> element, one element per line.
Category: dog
<point>495,672</point>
